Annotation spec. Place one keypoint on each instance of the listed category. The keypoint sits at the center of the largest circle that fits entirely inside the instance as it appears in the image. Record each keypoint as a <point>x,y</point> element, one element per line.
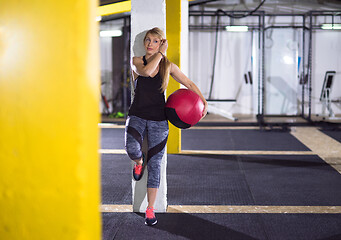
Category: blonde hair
<point>164,64</point>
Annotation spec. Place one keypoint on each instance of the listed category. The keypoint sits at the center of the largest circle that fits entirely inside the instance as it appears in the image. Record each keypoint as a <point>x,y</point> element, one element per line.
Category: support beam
<point>173,19</point>
<point>114,8</point>
<point>49,95</point>
<point>144,16</point>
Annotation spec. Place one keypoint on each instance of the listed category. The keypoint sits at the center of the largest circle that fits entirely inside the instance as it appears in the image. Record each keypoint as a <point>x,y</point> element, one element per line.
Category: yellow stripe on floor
<point>233,152</point>
<point>321,144</point>
<point>220,152</point>
<point>225,128</point>
<point>110,125</point>
<point>234,209</point>
<point>112,151</point>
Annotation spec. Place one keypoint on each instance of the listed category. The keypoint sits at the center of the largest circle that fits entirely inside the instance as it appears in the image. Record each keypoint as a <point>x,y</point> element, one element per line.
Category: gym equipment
<point>326,91</point>
<point>184,108</point>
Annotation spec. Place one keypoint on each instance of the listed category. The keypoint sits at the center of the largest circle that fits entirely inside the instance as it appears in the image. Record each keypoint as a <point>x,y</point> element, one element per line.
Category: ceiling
<point>269,6</point>
<point>106,2</point>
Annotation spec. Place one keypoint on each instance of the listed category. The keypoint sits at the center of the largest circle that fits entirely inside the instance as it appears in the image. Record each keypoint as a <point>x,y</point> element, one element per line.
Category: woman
<point>147,112</point>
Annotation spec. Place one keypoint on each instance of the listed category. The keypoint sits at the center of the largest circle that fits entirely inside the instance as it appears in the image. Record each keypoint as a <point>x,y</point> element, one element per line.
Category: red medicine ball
<point>184,108</point>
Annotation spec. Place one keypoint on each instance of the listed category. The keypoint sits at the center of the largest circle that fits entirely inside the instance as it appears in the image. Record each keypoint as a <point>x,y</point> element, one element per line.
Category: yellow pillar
<point>173,31</point>
<point>49,139</point>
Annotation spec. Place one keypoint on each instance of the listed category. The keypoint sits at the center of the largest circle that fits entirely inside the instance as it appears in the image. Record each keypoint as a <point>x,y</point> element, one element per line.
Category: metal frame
<point>261,66</point>
<point>312,27</point>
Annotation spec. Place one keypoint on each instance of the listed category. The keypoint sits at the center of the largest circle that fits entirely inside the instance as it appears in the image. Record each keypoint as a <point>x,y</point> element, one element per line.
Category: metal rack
<point>260,26</point>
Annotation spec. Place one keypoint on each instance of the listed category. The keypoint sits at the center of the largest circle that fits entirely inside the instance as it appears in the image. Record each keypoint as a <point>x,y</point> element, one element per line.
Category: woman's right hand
<point>163,46</point>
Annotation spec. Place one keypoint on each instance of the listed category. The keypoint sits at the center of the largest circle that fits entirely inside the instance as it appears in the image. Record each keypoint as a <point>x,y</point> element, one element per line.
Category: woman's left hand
<point>205,111</point>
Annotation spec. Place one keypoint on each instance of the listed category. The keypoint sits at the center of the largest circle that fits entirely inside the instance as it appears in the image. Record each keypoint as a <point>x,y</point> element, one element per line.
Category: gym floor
<point>232,181</point>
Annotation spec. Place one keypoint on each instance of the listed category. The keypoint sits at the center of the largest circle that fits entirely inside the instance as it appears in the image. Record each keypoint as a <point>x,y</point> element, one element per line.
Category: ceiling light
<point>288,60</point>
<point>331,26</point>
<point>236,28</point>
<point>110,33</point>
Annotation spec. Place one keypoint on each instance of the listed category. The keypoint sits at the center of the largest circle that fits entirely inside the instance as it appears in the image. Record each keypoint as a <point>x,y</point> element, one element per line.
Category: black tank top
<point>149,102</point>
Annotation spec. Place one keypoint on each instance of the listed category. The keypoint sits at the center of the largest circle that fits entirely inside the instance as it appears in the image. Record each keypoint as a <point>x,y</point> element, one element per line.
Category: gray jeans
<point>157,134</point>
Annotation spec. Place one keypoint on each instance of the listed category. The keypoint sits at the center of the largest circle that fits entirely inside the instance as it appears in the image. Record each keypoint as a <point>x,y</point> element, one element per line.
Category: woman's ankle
<point>139,161</point>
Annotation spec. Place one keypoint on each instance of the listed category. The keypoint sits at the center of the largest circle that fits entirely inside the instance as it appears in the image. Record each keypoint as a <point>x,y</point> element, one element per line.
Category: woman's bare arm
<point>180,77</point>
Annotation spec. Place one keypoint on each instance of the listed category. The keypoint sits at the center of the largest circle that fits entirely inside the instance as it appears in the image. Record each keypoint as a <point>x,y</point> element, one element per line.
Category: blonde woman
<point>147,112</point>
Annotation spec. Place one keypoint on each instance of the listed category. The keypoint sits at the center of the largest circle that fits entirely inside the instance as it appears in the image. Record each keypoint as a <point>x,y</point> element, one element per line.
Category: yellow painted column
<point>49,139</point>
<point>173,31</point>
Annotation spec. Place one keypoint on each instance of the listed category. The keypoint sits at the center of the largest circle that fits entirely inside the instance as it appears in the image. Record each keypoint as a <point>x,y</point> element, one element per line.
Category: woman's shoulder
<point>173,67</point>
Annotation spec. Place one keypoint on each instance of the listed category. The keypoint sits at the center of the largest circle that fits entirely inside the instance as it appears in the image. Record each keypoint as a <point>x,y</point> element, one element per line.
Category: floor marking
<point>321,144</point>
<point>114,125</point>
<point>225,127</point>
<point>110,125</point>
<point>116,208</point>
<point>112,151</point>
<point>233,209</point>
<point>233,152</point>
<point>219,152</point>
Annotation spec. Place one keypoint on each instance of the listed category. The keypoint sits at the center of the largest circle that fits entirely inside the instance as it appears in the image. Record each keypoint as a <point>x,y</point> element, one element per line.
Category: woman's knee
<point>134,152</point>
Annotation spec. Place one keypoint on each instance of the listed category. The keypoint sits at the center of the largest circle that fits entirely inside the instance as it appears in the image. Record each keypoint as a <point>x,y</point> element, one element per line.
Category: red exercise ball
<point>184,108</point>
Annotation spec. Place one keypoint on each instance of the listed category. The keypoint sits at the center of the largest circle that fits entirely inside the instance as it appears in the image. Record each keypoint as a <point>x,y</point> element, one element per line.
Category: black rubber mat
<point>182,226</point>
<point>252,180</point>
<point>336,134</point>
<point>112,138</point>
<point>232,180</point>
<point>116,177</point>
<point>292,180</point>
<point>195,139</point>
<point>123,226</point>
<point>201,180</point>
<point>208,139</point>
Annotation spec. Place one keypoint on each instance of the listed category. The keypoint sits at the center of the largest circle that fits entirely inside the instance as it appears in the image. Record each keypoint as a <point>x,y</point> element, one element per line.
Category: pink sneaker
<point>150,217</point>
<point>138,170</point>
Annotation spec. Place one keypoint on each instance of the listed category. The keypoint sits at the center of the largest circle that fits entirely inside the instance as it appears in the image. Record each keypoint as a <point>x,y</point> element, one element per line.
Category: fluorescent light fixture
<point>331,26</point>
<point>288,60</point>
<point>110,33</point>
<point>236,28</point>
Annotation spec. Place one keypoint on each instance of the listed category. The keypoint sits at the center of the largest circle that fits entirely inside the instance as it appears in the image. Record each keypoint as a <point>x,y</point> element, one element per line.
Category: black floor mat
<point>208,139</point>
<point>195,139</point>
<point>128,226</point>
<point>116,177</point>
<point>335,133</point>
<point>112,138</point>
<point>232,180</point>
<point>255,180</point>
